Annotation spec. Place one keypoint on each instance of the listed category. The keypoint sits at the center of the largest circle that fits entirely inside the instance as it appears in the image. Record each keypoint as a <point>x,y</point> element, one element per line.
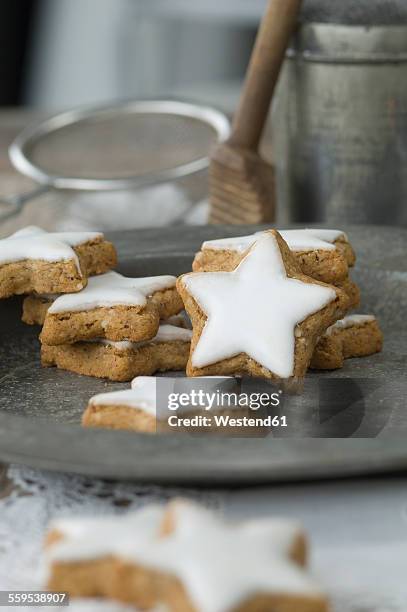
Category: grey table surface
<point>357,528</point>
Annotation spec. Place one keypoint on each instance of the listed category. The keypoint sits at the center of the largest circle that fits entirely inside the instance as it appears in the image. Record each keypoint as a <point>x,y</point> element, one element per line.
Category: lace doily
<point>35,497</point>
<point>31,498</point>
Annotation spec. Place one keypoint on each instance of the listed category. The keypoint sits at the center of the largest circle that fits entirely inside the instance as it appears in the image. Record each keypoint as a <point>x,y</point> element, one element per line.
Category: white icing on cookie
<point>283,533</point>
<point>220,564</point>
<point>166,333</point>
<point>254,309</point>
<point>35,243</point>
<point>350,321</point>
<point>312,239</point>
<point>238,243</point>
<point>170,333</point>
<point>297,240</point>
<point>94,538</point>
<point>142,395</point>
<point>112,289</point>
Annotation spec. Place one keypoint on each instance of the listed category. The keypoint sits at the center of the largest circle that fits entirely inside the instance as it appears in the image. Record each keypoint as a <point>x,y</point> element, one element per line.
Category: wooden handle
<point>271,43</point>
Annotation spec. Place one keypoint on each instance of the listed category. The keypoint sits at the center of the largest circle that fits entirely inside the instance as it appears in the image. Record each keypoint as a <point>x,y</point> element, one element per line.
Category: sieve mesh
<point>122,145</point>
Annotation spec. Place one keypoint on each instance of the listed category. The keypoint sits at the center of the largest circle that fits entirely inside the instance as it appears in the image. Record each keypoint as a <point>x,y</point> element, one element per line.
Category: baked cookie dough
<point>122,361</point>
<point>353,336</point>
<point>351,289</point>
<point>184,558</point>
<point>263,319</point>
<point>33,260</point>
<point>86,557</point>
<point>136,410</point>
<point>112,306</point>
<point>132,409</point>
<point>322,254</point>
<point>35,308</point>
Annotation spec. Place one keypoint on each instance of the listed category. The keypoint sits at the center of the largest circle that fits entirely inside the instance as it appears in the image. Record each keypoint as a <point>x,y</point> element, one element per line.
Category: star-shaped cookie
<point>222,566</point>
<point>185,558</point>
<point>262,319</point>
<point>323,254</point>
<point>33,260</point>
<point>89,556</point>
<point>354,336</point>
<point>114,307</point>
<point>144,408</point>
<point>122,361</point>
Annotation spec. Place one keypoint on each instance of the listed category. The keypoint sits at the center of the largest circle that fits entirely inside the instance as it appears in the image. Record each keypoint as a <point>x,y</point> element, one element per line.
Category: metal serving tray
<point>40,409</point>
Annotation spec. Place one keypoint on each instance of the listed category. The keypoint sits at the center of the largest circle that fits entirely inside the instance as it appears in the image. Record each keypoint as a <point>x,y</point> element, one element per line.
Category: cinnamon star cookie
<point>323,254</point>
<point>185,558</point>
<point>261,319</point>
<point>353,336</point>
<point>112,306</point>
<point>33,260</point>
<point>122,361</point>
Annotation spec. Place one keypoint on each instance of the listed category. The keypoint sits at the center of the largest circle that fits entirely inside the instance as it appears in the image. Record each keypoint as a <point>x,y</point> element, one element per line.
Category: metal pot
<point>340,136</point>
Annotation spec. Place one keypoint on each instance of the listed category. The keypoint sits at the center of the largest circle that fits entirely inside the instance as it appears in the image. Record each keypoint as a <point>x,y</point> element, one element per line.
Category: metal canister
<point>340,125</point>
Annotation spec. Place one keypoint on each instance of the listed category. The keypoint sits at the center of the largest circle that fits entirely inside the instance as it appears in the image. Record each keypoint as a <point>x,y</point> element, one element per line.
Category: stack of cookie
<point>272,304</point>
<point>268,305</point>
<point>95,321</point>
<point>183,557</point>
<point>115,328</point>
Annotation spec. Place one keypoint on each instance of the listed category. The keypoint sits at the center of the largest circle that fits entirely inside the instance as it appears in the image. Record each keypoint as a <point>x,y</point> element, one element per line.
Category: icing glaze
<point>35,243</point>
<point>112,289</point>
<point>223,564</point>
<point>350,321</point>
<point>254,309</point>
<point>142,395</point>
<point>297,240</point>
<point>169,333</point>
<point>93,538</point>
<point>220,564</point>
<point>238,243</point>
<point>282,533</point>
<point>166,333</point>
<point>312,239</point>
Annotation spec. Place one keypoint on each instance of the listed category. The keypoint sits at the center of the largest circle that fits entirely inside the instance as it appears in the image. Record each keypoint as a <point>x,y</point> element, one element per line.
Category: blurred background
<point>70,52</point>
<point>58,55</point>
<point>338,130</point>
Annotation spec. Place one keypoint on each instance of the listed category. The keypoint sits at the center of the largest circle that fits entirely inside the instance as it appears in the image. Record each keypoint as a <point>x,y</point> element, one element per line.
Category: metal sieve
<point>121,147</point>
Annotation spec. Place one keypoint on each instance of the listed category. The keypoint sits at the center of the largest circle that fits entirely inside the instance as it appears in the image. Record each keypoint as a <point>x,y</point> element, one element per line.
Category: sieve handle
<point>15,203</point>
<point>274,34</point>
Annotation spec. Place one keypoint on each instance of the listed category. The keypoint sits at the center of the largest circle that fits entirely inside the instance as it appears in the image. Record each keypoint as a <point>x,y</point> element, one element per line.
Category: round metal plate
<point>40,409</point>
